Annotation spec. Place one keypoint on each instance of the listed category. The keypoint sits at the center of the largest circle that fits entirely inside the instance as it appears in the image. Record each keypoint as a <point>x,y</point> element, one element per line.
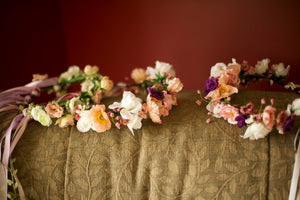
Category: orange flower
<point>222,91</point>
<point>155,109</point>
<point>99,119</point>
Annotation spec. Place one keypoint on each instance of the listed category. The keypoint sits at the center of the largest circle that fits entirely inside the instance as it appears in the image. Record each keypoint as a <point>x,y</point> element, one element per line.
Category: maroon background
<point>49,36</point>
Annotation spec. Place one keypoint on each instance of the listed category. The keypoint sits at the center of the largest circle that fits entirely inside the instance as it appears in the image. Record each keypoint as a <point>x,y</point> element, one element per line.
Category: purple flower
<point>154,93</point>
<point>288,125</point>
<point>210,85</point>
<point>241,119</point>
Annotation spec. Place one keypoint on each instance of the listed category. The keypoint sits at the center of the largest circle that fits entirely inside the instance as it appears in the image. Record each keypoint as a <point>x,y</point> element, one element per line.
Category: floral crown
<point>84,108</point>
<point>225,80</point>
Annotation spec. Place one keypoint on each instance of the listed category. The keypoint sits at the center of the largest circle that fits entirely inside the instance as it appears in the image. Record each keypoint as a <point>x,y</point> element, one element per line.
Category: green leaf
<point>10,182</point>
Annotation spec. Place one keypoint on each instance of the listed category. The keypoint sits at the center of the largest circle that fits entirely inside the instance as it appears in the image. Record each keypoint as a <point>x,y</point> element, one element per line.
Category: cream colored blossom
<point>106,83</point>
<point>262,66</point>
<point>296,106</point>
<point>280,70</point>
<point>65,121</point>
<point>161,68</point>
<point>73,71</point>
<point>89,70</point>
<point>87,85</point>
<point>38,114</point>
<point>138,75</point>
<point>217,69</point>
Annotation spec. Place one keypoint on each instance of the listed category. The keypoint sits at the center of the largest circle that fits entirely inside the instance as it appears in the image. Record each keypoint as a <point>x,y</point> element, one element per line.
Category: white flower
<point>217,69</point>
<point>73,71</point>
<point>261,66</point>
<point>131,105</point>
<point>73,104</point>
<point>280,130</point>
<point>250,120</point>
<point>38,114</point>
<point>256,131</point>
<point>280,70</point>
<point>87,85</point>
<point>296,106</point>
<point>160,67</point>
<point>215,109</point>
<point>84,123</point>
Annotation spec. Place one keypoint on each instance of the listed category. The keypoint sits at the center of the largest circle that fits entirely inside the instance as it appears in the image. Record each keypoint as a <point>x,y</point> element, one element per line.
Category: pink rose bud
<point>198,91</point>
<point>272,101</point>
<point>198,102</point>
<point>208,120</point>
<point>209,113</point>
<point>118,118</point>
<point>263,101</point>
<point>118,125</point>
<point>228,98</point>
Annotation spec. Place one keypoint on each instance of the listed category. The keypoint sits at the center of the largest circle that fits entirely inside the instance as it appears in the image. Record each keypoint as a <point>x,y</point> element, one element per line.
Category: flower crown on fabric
<point>84,108</point>
<point>224,81</point>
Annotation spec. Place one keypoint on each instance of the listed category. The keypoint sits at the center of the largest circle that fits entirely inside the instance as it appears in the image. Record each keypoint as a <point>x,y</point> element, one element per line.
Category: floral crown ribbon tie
<point>296,170</point>
<point>18,124</point>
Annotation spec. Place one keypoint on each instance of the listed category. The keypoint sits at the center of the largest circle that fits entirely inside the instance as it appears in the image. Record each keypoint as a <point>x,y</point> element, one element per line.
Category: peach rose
<point>222,91</point>
<point>229,77</point>
<point>281,118</point>
<point>106,83</point>
<point>269,116</point>
<point>155,109</point>
<point>65,121</point>
<point>97,96</point>
<point>175,85</point>
<point>138,75</point>
<point>229,113</point>
<point>54,110</point>
<point>248,109</point>
<point>169,101</point>
<point>143,111</point>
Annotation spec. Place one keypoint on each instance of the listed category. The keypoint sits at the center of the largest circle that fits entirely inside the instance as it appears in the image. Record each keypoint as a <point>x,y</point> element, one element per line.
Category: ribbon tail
<point>295,177</point>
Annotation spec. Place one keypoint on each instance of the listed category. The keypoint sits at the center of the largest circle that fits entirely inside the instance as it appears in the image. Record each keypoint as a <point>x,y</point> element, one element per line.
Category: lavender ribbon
<point>19,124</point>
<point>295,177</point>
<point>6,151</point>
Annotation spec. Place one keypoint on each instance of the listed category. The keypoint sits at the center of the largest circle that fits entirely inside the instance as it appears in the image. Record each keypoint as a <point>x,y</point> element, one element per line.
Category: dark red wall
<point>120,35</point>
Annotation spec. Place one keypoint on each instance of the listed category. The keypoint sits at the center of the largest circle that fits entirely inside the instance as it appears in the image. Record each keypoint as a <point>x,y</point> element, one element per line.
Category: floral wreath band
<point>225,80</point>
<point>158,85</point>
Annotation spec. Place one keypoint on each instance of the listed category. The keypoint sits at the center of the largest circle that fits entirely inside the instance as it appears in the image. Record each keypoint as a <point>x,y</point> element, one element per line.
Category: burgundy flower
<point>248,109</point>
<point>210,85</point>
<point>154,93</point>
<point>288,125</point>
<point>241,119</point>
